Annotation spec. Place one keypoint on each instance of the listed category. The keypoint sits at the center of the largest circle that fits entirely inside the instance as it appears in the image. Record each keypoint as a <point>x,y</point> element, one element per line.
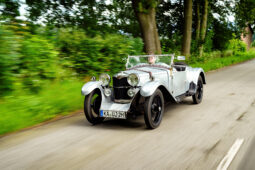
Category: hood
<point>144,73</point>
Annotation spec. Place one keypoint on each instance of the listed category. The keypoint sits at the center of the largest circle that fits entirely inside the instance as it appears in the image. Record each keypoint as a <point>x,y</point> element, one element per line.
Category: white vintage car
<point>143,88</point>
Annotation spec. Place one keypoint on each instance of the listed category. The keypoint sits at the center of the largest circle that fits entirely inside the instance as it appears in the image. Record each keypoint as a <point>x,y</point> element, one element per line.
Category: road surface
<point>189,137</point>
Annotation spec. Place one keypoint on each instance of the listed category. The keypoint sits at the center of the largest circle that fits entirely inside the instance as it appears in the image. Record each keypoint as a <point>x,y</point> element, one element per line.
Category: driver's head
<point>151,60</point>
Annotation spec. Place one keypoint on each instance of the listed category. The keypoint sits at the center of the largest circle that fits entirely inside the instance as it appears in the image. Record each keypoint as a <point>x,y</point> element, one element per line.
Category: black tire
<point>198,97</point>
<point>154,109</point>
<point>92,105</point>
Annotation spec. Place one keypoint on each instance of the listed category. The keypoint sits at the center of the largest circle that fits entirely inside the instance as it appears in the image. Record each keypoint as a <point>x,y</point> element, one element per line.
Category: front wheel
<point>92,105</point>
<point>154,109</point>
<point>197,98</point>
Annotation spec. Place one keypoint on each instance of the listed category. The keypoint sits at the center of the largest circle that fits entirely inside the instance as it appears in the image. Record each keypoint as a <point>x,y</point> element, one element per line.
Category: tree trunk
<point>198,21</point>
<point>203,28</point>
<point>187,27</point>
<point>147,22</point>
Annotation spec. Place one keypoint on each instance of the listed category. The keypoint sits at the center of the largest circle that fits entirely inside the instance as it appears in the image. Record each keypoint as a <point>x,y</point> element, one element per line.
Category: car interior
<point>180,66</point>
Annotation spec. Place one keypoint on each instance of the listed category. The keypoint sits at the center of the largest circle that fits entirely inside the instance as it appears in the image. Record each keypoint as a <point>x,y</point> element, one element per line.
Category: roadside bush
<point>236,45</point>
<point>208,45</point>
<point>227,53</point>
<point>88,55</point>
<point>253,44</point>
<point>38,62</point>
<point>8,60</point>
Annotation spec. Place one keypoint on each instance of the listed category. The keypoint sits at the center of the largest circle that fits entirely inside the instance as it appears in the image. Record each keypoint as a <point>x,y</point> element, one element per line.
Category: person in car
<point>151,59</point>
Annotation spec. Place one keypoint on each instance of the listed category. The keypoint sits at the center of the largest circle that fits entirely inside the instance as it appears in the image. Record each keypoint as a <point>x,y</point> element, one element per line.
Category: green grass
<point>219,62</point>
<point>23,110</point>
<point>20,110</point>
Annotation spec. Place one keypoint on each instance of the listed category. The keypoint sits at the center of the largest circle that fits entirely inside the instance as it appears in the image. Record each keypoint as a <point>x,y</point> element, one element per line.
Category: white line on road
<point>230,155</point>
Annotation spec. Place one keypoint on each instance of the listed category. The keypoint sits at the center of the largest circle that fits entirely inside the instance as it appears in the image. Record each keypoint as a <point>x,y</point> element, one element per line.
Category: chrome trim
<point>122,101</point>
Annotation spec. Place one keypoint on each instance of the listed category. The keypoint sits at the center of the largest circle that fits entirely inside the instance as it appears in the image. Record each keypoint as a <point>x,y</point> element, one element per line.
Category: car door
<point>179,82</point>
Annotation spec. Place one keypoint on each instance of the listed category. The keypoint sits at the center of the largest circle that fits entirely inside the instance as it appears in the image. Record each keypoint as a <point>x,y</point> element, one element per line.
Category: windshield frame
<point>147,64</point>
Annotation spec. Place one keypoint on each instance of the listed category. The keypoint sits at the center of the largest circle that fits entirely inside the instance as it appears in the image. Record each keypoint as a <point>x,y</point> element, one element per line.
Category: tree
<point>85,14</point>
<point>245,13</point>
<point>146,15</point>
<point>122,18</point>
<point>198,20</point>
<point>10,8</point>
<point>187,27</point>
<point>203,27</point>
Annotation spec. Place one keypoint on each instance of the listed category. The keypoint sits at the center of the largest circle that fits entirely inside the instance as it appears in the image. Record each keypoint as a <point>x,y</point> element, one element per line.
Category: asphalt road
<point>189,137</point>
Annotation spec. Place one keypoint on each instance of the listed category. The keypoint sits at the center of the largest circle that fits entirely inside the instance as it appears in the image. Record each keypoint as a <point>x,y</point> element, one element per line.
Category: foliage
<point>9,8</point>
<point>170,19</point>
<point>38,62</point>
<point>253,44</point>
<point>245,13</point>
<point>172,45</point>
<point>237,45</point>
<point>8,59</point>
<point>223,32</point>
<point>125,18</point>
<point>95,55</point>
<point>88,15</point>
<point>145,5</point>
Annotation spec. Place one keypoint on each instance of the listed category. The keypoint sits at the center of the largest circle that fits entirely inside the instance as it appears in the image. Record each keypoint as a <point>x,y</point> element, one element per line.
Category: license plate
<point>113,114</point>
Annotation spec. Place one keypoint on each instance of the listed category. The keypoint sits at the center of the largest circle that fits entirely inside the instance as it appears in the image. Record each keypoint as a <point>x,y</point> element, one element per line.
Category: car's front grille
<point>121,87</point>
<point>122,82</point>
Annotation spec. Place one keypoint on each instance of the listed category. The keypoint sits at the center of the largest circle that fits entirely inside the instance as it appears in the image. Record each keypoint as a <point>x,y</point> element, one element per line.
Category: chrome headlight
<point>133,79</point>
<point>105,79</point>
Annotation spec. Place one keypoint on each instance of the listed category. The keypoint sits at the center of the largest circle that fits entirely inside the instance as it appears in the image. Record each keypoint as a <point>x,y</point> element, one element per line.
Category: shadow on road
<point>137,123</point>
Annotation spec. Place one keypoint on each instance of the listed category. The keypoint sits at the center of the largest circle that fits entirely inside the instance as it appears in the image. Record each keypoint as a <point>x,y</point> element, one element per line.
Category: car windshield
<point>163,60</point>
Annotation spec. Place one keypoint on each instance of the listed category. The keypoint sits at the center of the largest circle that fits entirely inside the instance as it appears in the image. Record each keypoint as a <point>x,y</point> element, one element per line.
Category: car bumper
<point>115,106</point>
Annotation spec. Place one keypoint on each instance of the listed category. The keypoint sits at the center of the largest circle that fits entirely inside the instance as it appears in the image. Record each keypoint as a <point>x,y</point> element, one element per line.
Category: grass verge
<point>20,111</point>
<point>220,62</point>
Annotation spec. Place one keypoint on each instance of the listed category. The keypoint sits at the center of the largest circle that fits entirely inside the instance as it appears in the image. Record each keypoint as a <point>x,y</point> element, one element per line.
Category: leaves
<point>95,55</point>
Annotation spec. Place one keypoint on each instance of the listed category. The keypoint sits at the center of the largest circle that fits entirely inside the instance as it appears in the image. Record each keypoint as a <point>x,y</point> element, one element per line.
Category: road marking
<point>230,155</point>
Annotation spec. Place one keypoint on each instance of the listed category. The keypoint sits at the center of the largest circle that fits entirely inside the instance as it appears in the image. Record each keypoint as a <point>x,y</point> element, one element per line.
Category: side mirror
<point>180,57</point>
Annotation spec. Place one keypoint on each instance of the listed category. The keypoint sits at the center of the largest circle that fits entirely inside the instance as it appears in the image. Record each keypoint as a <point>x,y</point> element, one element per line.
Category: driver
<point>151,60</point>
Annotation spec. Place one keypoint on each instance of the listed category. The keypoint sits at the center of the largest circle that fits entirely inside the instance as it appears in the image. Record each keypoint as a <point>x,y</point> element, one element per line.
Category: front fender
<point>149,88</point>
<point>90,86</point>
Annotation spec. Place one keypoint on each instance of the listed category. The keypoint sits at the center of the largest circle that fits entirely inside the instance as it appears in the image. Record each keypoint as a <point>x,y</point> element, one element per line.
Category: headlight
<point>105,79</point>
<point>133,79</point>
